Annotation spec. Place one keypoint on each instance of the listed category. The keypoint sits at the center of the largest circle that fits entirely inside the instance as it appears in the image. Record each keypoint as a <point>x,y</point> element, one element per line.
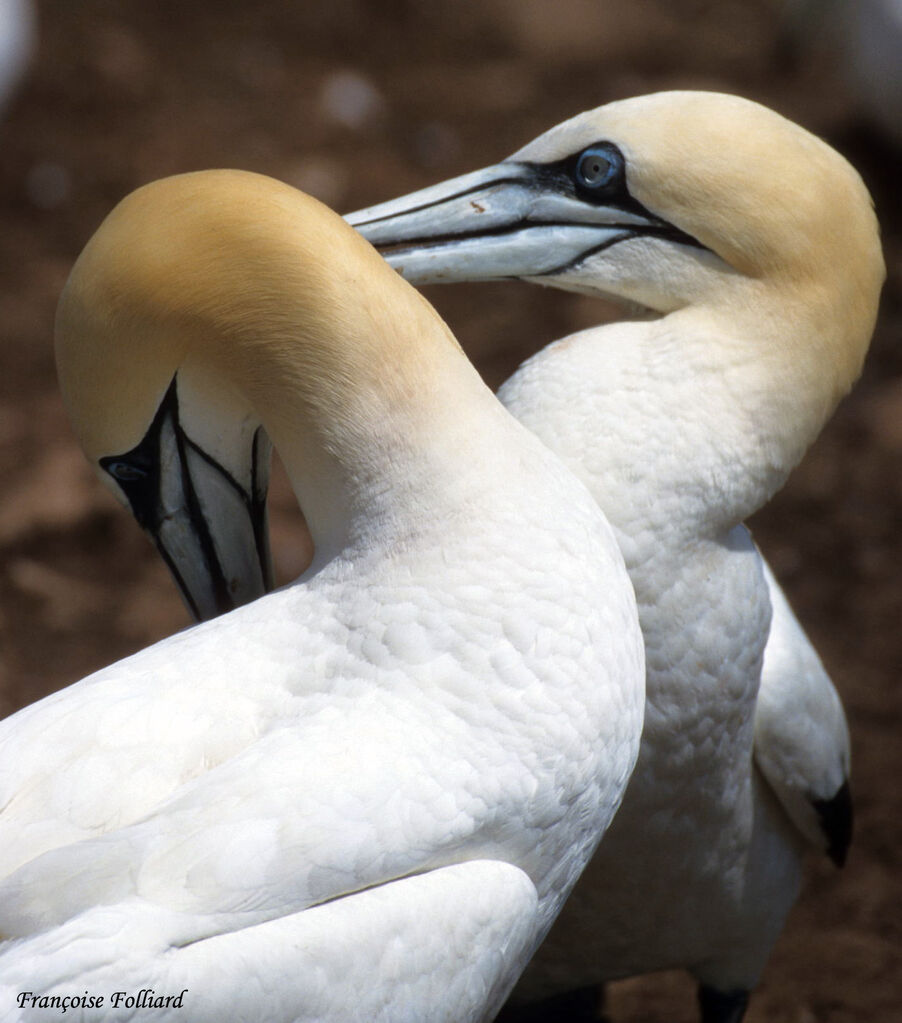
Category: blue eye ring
<point>125,471</point>
<point>599,168</point>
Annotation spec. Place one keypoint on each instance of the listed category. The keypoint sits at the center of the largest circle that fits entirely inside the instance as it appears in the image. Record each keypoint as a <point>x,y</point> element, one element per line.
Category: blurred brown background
<point>359,101</point>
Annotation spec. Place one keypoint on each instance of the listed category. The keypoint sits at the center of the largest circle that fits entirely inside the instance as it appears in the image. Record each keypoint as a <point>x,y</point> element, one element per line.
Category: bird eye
<point>599,167</point>
<point>125,471</point>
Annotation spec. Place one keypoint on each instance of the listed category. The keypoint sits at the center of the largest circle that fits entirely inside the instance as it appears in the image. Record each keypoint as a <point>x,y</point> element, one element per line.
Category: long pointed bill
<point>210,531</point>
<point>509,220</point>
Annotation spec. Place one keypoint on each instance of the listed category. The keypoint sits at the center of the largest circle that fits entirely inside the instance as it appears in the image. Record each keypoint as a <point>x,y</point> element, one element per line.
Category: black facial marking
<point>137,473</point>
<point>257,502</point>
<point>596,174</point>
<point>126,472</point>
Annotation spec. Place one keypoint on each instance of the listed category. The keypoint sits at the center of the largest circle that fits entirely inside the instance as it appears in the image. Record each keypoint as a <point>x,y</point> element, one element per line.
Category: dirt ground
<point>358,101</point>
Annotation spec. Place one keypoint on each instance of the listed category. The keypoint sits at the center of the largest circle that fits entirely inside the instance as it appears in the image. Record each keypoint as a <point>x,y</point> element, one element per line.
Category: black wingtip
<point>836,818</point>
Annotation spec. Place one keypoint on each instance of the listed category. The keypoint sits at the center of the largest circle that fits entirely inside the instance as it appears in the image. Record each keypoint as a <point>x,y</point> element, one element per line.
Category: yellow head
<point>207,307</point>
<point>675,201</point>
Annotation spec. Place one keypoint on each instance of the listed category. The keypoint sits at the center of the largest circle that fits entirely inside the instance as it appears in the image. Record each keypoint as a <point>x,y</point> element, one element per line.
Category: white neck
<point>675,422</point>
<point>372,464</point>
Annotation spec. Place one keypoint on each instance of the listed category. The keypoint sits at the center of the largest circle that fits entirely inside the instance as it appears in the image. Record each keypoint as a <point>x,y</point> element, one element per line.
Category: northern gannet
<point>366,795</point>
<point>754,248</point>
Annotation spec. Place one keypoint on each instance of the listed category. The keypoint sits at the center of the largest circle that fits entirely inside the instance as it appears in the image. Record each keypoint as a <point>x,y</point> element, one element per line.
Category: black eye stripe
<point>596,174</point>
<point>138,471</point>
<point>555,178</point>
<point>562,177</point>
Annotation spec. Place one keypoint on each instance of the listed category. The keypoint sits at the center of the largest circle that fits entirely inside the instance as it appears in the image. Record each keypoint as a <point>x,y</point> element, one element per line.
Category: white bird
<point>754,250</point>
<point>364,796</point>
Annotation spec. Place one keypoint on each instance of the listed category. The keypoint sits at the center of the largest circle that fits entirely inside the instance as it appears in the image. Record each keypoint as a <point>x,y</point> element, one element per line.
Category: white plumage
<point>754,250</point>
<point>364,796</point>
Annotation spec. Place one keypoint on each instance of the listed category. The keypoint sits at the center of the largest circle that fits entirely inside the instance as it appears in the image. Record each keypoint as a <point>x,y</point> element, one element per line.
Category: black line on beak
<point>220,586</point>
<point>137,472</point>
<point>666,232</point>
<point>179,578</point>
<point>556,178</point>
<point>448,198</point>
<point>257,511</point>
